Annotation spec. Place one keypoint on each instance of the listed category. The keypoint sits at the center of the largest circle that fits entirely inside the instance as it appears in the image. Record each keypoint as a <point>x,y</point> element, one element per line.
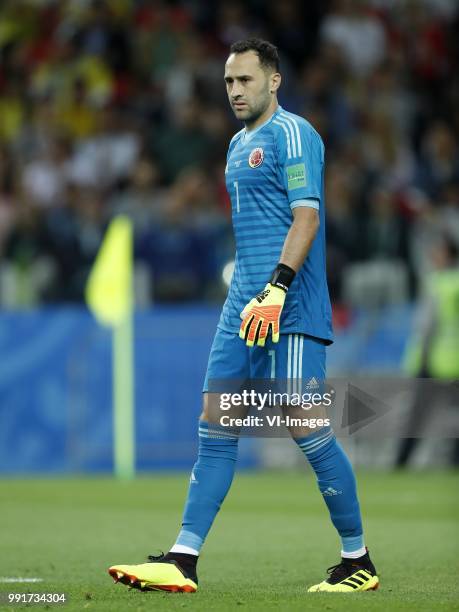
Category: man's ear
<point>275,82</point>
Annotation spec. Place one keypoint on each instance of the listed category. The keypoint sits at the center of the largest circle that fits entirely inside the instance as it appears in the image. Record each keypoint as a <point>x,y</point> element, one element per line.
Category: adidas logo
<point>193,479</point>
<point>329,491</point>
<point>312,384</point>
<point>261,296</point>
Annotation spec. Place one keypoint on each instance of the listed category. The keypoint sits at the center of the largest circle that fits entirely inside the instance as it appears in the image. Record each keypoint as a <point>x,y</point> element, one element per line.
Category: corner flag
<point>109,288</point>
<point>109,296</point>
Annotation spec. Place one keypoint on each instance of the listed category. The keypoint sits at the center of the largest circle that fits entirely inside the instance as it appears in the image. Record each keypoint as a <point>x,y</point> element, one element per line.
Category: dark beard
<point>254,116</point>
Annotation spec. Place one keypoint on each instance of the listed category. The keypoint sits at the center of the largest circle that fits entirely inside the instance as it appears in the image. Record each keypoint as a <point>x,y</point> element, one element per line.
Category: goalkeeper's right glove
<point>264,310</point>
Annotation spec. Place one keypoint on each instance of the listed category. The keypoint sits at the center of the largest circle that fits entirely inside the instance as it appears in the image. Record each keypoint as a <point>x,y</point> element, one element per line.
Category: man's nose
<point>237,90</point>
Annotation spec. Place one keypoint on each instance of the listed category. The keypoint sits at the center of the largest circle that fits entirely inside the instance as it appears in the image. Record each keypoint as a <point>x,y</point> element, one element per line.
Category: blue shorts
<point>294,357</point>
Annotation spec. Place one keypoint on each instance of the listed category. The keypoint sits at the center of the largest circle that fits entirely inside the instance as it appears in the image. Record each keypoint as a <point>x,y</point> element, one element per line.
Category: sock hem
<point>354,554</point>
<point>184,550</point>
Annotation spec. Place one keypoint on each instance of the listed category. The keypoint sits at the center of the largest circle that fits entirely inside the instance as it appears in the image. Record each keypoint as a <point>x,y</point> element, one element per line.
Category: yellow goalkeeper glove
<point>263,312</point>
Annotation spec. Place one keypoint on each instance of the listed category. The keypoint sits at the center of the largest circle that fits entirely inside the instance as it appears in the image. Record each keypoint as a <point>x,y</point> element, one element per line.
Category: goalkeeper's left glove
<point>264,310</point>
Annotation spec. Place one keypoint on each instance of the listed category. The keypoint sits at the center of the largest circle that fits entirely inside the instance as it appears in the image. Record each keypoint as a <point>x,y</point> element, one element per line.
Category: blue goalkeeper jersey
<point>269,171</point>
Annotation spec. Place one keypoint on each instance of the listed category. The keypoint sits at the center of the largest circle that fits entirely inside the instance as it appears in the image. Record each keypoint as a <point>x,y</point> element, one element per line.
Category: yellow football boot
<point>159,574</point>
<point>349,576</point>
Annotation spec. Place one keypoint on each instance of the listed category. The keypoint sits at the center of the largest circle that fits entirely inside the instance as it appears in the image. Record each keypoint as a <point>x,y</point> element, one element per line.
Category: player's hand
<point>262,313</point>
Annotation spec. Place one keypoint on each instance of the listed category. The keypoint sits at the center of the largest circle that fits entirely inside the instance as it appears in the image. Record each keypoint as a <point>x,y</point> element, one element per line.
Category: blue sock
<point>210,481</point>
<point>336,481</point>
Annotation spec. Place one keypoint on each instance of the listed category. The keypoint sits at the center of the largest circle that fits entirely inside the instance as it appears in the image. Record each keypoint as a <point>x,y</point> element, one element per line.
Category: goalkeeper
<point>274,175</point>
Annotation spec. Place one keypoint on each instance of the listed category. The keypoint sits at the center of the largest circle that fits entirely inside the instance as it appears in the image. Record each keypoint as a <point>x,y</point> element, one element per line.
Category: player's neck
<point>263,118</point>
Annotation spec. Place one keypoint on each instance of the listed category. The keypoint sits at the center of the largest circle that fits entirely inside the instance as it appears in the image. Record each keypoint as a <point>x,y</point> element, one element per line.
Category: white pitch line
<point>19,579</point>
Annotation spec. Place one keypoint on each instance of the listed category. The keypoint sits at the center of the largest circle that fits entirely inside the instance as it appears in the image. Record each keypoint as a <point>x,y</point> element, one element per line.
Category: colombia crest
<point>256,157</point>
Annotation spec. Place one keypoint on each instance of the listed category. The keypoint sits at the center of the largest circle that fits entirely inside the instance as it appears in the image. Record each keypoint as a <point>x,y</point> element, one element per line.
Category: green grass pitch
<point>271,540</point>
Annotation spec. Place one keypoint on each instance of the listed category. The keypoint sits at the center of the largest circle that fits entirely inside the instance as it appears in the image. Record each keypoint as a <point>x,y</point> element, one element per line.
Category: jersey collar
<point>247,136</point>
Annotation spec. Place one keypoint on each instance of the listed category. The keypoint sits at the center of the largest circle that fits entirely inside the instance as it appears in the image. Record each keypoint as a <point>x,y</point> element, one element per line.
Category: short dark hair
<point>267,52</point>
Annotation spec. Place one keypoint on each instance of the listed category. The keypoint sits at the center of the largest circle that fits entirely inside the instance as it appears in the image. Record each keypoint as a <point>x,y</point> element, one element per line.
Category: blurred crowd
<point>119,106</point>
